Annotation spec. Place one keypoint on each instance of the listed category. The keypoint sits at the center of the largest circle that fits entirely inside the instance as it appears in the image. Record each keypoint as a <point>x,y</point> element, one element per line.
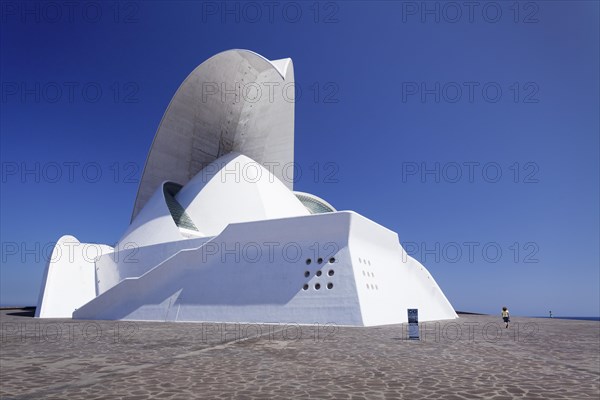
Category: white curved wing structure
<point>218,234</point>
<point>234,101</point>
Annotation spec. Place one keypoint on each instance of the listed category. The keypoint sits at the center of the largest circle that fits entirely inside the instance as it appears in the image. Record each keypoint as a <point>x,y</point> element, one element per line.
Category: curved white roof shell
<point>235,101</point>
<point>236,189</point>
<point>232,189</point>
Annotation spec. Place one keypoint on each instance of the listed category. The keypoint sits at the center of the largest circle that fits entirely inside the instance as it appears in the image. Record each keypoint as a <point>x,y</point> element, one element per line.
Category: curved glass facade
<point>314,204</point>
<point>182,220</point>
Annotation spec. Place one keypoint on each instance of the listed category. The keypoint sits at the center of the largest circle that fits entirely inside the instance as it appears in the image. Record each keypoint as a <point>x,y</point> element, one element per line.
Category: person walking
<point>505,315</point>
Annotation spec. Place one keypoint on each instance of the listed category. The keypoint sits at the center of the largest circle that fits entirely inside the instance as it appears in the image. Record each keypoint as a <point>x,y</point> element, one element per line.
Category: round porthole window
<point>332,260</point>
<point>308,261</point>
<point>305,287</point>
<point>330,285</point>
<point>307,274</point>
<point>318,286</point>
<point>319,273</point>
<point>320,260</point>
<point>330,273</point>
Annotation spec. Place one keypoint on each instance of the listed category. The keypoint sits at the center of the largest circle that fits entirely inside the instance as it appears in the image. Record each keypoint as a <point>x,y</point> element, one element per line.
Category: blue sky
<point>472,131</point>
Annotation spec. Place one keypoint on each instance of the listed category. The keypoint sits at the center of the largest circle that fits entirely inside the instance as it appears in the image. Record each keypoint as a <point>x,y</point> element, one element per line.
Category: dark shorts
<point>505,319</point>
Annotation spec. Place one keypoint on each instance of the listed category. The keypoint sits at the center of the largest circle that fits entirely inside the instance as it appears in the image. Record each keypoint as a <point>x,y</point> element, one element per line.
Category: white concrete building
<point>218,234</point>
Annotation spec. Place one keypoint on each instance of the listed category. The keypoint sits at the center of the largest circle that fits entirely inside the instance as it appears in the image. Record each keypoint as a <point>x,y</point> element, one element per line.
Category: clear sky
<point>470,128</point>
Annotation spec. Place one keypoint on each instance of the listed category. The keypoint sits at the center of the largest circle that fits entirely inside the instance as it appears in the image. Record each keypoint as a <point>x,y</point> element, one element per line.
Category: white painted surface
<point>135,261</point>
<point>389,281</point>
<point>225,280</point>
<point>235,189</point>
<point>69,279</point>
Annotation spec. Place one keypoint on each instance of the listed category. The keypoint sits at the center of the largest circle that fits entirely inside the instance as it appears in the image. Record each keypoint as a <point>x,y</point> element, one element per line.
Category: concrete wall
<point>258,272</point>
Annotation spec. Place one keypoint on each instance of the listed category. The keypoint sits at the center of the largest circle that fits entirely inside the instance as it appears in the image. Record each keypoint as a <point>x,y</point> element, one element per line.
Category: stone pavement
<point>473,357</point>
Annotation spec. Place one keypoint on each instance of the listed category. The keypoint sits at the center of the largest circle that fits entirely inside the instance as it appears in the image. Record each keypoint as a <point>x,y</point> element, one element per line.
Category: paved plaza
<point>473,357</point>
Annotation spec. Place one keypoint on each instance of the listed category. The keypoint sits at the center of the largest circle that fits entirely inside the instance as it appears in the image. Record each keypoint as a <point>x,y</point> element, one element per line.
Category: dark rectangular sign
<point>413,323</point>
